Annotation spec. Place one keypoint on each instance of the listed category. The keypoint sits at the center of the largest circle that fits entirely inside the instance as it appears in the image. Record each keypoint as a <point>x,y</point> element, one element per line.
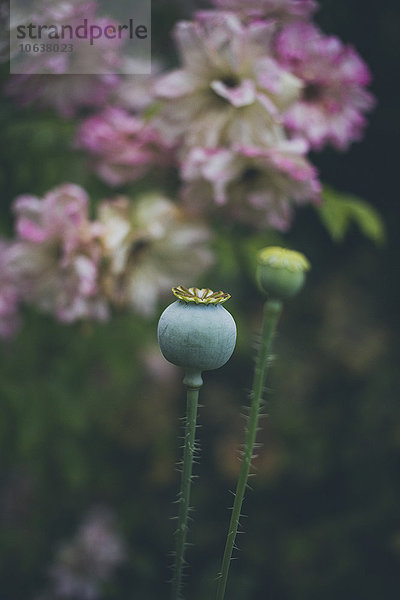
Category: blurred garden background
<point>90,412</point>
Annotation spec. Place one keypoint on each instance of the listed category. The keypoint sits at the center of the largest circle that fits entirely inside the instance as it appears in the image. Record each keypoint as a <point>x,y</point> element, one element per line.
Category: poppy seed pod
<point>196,332</point>
<point>280,272</point>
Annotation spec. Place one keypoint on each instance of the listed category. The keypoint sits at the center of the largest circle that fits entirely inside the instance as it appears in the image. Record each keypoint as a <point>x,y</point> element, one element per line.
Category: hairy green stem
<point>184,495</point>
<point>272,311</point>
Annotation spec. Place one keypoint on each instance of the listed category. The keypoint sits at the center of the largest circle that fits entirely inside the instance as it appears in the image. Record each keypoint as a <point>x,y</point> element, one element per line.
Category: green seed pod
<point>280,272</point>
<point>196,332</point>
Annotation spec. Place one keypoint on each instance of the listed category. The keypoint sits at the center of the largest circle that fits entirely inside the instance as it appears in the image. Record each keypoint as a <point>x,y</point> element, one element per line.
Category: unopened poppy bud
<point>280,272</point>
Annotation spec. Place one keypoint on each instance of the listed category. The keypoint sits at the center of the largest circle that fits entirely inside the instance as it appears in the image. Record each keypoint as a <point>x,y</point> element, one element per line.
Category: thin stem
<point>184,495</point>
<point>272,311</point>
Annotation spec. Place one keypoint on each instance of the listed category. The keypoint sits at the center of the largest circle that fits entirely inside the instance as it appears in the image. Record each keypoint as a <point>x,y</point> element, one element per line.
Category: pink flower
<point>230,88</point>
<point>334,98</point>
<point>57,253</point>
<point>123,147</point>
<point>9,293</point>
<point>251,184</point>
<point>269,8</point>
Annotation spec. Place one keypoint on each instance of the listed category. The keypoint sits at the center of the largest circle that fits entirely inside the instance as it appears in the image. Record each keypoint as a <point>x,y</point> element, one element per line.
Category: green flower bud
<point>196,332</point>
<point>280,272</point>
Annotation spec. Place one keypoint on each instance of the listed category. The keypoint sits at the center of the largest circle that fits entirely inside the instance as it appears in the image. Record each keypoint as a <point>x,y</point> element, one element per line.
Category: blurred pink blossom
<point>57,253</point>
<point>88,560</point>
<point>250,184</point>
<point>122,147</point>
<point>230,89</point>
<point>269,8</point>
<point>334,98</point>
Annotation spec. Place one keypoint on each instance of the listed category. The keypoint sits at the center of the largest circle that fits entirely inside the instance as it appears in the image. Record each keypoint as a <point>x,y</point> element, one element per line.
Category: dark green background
<point>82,423</point>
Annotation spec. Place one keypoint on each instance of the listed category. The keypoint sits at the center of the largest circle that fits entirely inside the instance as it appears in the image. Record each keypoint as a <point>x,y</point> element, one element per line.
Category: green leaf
<point>339,211</point>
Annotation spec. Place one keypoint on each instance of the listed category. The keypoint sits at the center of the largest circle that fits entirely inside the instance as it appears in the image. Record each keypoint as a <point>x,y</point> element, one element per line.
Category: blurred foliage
<point>338,211</point>
<point>90,413</point>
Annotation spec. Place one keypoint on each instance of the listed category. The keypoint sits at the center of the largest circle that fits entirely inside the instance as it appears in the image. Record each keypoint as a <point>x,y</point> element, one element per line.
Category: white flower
<point>149,245</point>
<point>230,89</point>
